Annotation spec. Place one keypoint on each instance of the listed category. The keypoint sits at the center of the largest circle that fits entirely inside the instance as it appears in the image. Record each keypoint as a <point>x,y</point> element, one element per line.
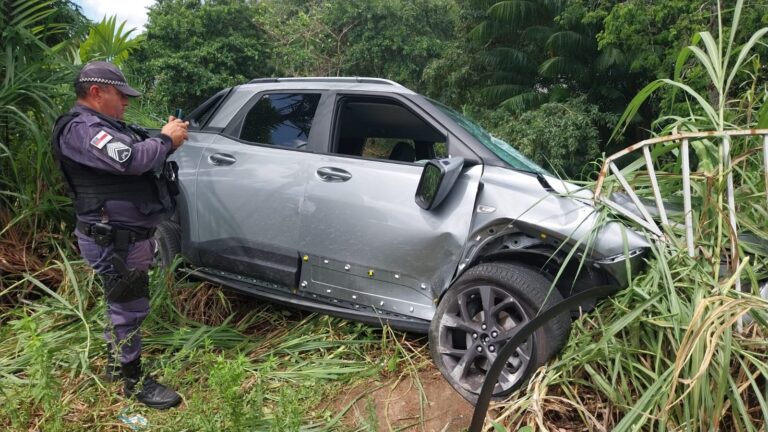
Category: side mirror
<point>436,181</point>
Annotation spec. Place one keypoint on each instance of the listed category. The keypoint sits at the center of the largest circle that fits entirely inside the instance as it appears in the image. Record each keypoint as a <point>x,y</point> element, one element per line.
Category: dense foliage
<point>562,80</point>
<point>380,38</point>
<point>561,135</point>
<point>194,48</point>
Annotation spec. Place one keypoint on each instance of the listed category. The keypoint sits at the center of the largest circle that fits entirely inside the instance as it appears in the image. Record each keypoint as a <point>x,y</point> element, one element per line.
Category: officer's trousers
<point>124,319</point>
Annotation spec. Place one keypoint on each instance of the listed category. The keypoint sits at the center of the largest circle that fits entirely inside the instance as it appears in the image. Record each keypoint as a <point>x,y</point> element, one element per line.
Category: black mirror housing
<point>436,181</point>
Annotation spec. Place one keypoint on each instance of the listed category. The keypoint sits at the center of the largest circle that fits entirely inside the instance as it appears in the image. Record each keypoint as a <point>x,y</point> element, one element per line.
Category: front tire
<point>167,243</point>
<point>477,316</point>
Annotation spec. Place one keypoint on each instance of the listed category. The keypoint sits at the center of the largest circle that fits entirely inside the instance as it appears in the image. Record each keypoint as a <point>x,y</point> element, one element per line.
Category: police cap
<point>101,72</point>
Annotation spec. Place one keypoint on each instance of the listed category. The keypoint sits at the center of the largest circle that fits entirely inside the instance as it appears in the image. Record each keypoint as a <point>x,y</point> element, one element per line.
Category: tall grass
<point>259,368</point>
<point>239,367</point>
<point>663,354</point>
<point>30,99</point>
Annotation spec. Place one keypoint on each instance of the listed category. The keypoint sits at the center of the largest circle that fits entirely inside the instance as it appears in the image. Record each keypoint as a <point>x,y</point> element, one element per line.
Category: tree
<point>194,48</point>
<point>545,51</point>
<point>394,39</point>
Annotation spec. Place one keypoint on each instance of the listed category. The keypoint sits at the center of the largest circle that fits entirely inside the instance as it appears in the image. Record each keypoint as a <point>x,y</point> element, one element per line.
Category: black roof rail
<point>361,80</point>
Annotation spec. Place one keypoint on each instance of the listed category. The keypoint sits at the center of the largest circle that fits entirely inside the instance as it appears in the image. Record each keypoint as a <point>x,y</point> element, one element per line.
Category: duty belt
<point>105,234</point>
<point>122,284</point>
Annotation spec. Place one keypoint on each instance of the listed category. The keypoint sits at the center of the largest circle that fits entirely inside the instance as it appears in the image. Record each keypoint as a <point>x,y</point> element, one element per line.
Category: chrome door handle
<point>333,175</point>
<point>221,159</point>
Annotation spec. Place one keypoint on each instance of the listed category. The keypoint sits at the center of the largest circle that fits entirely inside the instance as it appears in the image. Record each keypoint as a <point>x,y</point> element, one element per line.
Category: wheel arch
<point>572,273</point>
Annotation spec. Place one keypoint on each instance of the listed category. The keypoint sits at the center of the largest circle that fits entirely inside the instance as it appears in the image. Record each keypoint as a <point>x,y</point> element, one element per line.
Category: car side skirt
<point>315,303</point>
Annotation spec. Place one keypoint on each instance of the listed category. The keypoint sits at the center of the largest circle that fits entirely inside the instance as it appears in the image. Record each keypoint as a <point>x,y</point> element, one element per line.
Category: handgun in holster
<point>128,284</point>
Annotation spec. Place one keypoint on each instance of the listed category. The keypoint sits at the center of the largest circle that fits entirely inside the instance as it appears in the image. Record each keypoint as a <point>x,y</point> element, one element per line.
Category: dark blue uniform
<point>112,148</point>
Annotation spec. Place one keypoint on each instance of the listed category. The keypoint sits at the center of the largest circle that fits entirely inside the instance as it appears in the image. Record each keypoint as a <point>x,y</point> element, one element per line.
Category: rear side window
<point>280,119</point>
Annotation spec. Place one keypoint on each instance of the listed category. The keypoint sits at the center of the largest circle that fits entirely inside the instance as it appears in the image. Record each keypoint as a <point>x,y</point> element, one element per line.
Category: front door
<point>366,241</point>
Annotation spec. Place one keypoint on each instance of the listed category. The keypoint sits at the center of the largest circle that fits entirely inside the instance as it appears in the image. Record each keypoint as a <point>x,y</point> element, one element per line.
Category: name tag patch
<point>118,151</point>
<point>100,139</point>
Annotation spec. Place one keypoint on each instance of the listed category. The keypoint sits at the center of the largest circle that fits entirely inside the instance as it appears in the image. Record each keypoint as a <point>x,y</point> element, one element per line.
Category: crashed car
<point>360,198</point>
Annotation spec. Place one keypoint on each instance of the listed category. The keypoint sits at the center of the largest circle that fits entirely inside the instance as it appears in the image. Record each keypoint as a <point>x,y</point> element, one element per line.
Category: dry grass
<point>21,253</point>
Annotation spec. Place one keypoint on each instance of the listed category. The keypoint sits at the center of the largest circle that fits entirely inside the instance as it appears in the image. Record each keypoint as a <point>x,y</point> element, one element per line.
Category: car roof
<point>328,83</point>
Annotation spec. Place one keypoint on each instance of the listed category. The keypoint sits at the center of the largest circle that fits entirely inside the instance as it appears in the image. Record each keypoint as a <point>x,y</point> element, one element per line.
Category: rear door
<point>367,243</point>
<point>250,188</point>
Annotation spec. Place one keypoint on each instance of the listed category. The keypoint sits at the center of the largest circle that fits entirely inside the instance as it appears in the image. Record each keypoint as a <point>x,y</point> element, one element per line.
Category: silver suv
<point>359,198</point>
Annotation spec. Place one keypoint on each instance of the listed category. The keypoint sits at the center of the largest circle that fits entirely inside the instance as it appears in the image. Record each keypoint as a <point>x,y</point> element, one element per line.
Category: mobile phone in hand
<point>178,113</point>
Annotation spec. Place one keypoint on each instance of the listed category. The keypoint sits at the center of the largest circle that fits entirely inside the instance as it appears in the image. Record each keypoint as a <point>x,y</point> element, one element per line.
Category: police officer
<point>118,179</point>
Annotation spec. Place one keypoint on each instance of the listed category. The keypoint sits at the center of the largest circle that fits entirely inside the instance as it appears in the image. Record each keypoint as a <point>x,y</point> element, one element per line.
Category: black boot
<point>145,389</point>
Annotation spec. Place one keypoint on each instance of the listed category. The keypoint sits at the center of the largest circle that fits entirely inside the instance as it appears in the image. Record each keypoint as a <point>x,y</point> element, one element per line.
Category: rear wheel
<point>479,313</point>
<point>167,243</point>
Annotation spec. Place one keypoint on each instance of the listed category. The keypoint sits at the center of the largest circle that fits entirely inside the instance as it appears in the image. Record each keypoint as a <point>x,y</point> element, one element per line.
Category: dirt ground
<point>394,405</point>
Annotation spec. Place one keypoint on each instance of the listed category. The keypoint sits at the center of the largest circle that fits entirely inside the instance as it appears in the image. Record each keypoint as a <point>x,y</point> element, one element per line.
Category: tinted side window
<point>280,119</point>
<point>379,128</point>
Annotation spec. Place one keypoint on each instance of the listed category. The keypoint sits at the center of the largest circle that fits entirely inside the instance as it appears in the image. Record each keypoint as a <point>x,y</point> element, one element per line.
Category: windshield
<point>500,148</point>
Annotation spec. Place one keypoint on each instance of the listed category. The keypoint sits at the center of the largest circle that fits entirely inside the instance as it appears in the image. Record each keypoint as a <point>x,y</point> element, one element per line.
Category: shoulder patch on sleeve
<point>118,151</point>
<point>100,139</point>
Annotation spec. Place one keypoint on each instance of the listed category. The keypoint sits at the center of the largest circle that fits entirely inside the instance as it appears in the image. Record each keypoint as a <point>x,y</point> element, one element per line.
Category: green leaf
<point>498,427</point>
<point>633,107</point>
<point>645,406</point>
<point>714,57</point>
<point>563,67</point>
<point>708,64</point>
<point>762,116</point>
<point>708,110</point>
<point>743,51</point>
<point>683,56</point>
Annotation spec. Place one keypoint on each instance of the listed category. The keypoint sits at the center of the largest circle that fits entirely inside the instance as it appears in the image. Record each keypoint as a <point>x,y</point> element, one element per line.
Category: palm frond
<point>516,13</point>
<point>25,14</point>
<point>525,101</point>
<point>571,43</point>
<point>510,76</point>
<point>109,41</point>
<point>537,34</point>
<point>508,59</point>
<point>501,92</point>
<point>487,31</point>
<point>610,57</point>
<point>563,67</point>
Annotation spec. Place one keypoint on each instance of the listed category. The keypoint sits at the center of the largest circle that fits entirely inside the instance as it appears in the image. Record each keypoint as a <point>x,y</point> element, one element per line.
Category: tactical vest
<point>90,187</point>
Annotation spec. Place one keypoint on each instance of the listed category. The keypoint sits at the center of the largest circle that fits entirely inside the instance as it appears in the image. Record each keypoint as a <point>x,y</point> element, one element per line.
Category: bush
<point>564,137</point>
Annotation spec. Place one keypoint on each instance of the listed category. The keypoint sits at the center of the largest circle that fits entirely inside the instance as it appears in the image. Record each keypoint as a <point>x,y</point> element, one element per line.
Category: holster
<point>128,284</point>
<point>122,288</point>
